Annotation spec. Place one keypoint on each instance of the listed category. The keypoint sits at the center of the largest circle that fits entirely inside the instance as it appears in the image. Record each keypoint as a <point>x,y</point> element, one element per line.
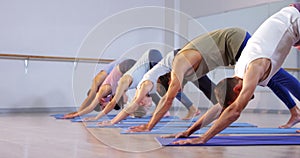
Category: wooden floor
<point>37,135</point>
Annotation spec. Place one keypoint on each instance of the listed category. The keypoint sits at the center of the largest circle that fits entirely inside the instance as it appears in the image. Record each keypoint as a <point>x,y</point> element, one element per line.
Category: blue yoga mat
<point>81,119</point>
<point>126,125</point>
<point>254,131</point>
<point>164,119</point>
<point>237,141</point>
<point>77,119</point>
<point>128,119</point>
<point>229,130</point>
<point>238,124</point>
<point>60,116</point>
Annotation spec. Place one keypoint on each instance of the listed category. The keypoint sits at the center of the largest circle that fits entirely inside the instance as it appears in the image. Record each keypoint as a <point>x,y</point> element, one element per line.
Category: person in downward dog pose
<point>107,89</point>
<point>281,83</point>
<point>281,90</point>
<point>155,80</point>
<point>130,80</point>
<point>198,57</point>
<point>261,60</point>
<point>97,82</point>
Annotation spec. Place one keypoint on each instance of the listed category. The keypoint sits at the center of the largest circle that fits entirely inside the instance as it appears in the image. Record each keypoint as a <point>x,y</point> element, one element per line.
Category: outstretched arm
<point>163,106</point>
<point>123,85</point>
<point>181,64</point>
<point>103,91</point>
<point>166,101</point>
<point>98,80</point>
<point>211,114</point>
<point>139,95</point>
<point>255,72</point>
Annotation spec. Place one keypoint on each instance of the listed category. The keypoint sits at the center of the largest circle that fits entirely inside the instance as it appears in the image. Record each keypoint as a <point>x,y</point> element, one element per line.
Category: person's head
<point>296,5</point>
<point>146,101</point>
<point>163,84</point>
<point>122,101</point>
<point>227,90</point>
<point>154,57</point>
<point>102,103</point>
<point>144,106</point>
<point>125,65</point>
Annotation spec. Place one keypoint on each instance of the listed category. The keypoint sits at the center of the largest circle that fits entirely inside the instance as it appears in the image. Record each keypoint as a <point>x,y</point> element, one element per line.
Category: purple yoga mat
<point>238,141</point>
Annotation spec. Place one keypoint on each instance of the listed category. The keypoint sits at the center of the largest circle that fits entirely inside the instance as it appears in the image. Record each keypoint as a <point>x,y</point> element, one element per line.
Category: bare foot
<point>292,121</point>
<point>298,131</point>
<point>193,111</point>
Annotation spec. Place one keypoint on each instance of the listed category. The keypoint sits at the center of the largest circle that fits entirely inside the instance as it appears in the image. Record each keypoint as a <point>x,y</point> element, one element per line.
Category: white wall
<point>201,8</point>
<point>57,28</point>
<point>60,28</point>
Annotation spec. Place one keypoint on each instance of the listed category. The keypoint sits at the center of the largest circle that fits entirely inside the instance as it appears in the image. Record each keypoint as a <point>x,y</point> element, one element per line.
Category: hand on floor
<point>90,119</point>
<point>105,123</point>
<point>140,128</point>
<point>190,141</point>
<point>70,115</point>
<point>177,135</point>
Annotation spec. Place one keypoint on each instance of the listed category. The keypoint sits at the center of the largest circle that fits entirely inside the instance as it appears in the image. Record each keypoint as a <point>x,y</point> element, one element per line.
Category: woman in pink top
<point>107,89</point>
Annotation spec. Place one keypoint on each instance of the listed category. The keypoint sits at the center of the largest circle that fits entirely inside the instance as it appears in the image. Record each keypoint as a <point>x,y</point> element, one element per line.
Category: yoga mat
<point>229,130</point>
<point>60,116</point>
<point>78,119</point>
<point>126,125</point>
<point>237,141</point>
<point>164,119</point>
<point>128,119</point>
<point>238,124</point>
<point>81,119</point>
